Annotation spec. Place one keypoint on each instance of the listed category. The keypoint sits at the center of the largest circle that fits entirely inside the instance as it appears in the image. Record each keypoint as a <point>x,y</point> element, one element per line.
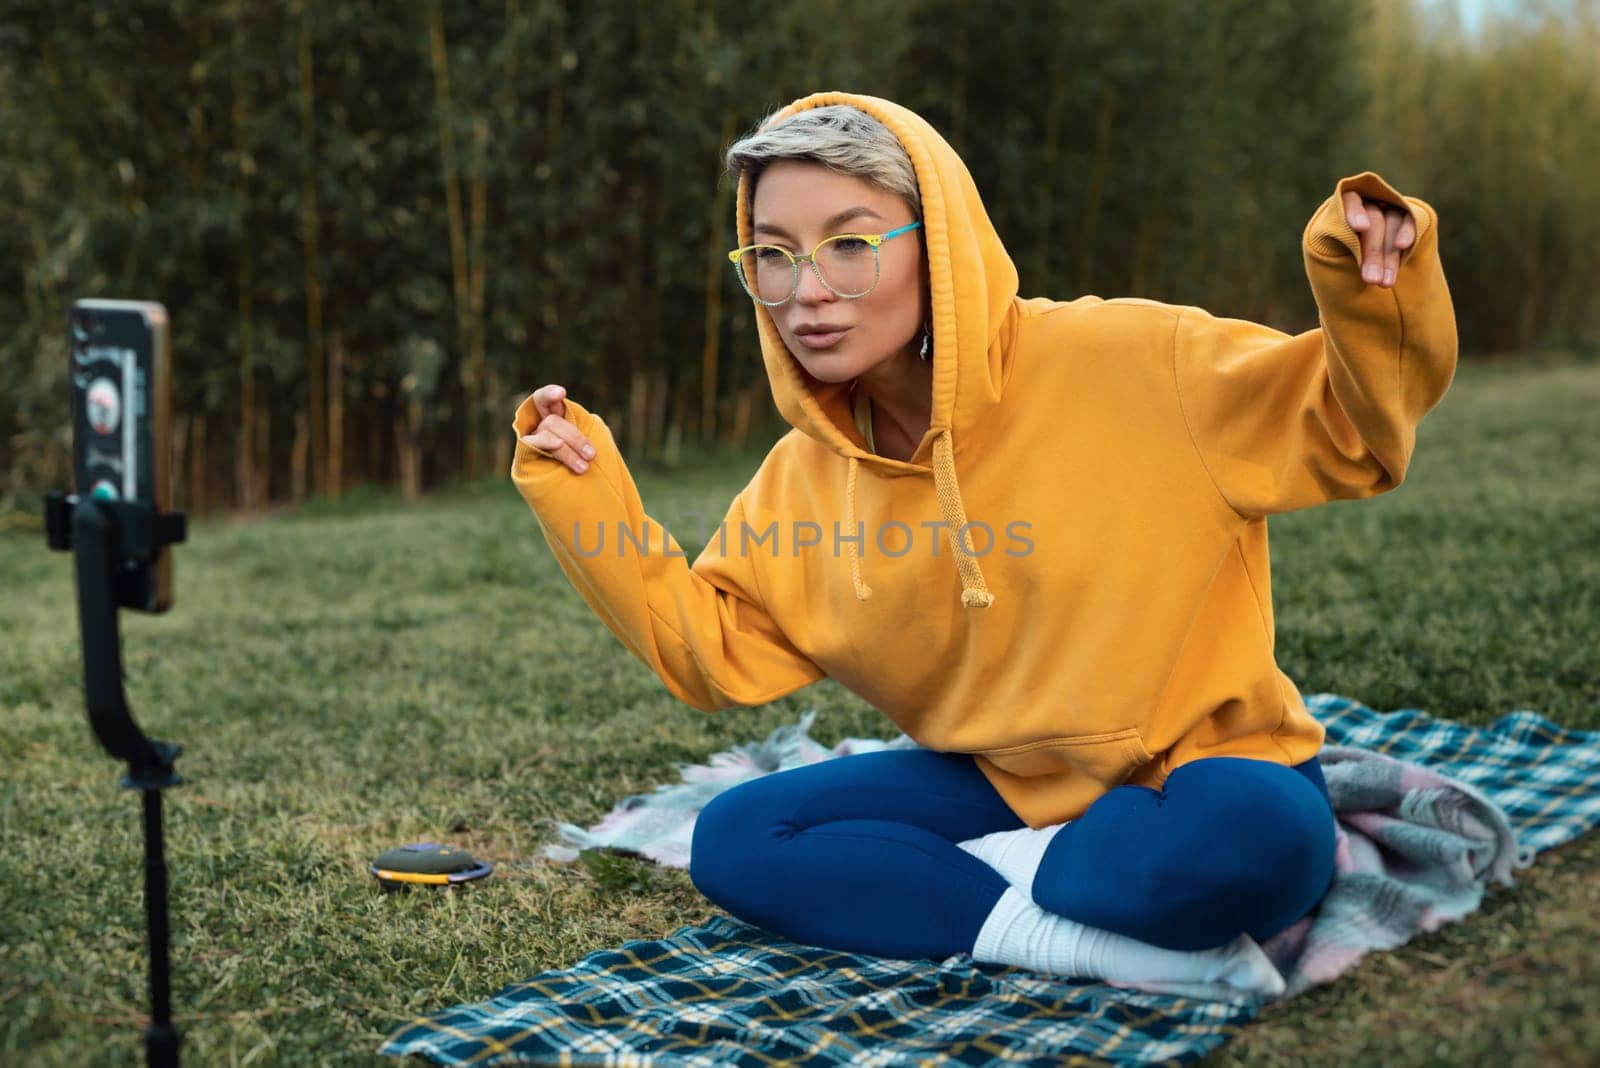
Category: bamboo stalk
<point>297,457</point>
<point>198,500</point>
<point>263,450</point>
<point>402,457</point>
<point>244,455</point>
<point>378,416</point>
<point>477,379</point>
<point>638,409</point>
<point>553,314</point>
<point>495,388</point>
<point>177,492</point>
<point>630,368</point>
<point>440,57</point>
<point>196,147</point>
<point>677,420</point>
<point>660,389</point>
<point>250,496</point>
<point>411,457</point>
<point>648,347</point>
<point>716,268</point>
<point>742,411</point>
<point>336,413</point>
<point>310,225</point>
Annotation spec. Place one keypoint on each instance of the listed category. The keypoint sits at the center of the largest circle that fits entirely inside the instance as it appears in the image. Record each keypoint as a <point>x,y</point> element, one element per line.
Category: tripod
<point>116,544</point>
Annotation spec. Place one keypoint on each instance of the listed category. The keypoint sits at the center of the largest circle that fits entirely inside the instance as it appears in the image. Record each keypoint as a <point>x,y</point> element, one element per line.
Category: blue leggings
<point>859,853</point>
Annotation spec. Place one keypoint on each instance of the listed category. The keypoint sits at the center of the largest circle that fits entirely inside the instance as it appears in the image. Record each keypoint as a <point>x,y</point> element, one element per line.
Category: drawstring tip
<point>863,592</point>
<point>976,598</point>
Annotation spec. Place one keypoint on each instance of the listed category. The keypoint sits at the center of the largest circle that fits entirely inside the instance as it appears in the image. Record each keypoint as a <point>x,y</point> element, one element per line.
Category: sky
<point>1472,11</point>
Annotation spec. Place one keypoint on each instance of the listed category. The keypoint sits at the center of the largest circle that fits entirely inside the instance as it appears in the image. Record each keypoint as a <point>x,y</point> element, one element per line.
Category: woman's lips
<point>822,341</point>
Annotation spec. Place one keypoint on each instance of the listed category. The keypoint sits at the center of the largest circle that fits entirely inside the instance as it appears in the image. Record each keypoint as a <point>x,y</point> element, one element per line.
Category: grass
<point>348,678</point>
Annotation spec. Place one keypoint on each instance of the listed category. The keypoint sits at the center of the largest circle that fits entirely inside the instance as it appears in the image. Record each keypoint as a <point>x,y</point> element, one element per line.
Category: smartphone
<point>121,444</point>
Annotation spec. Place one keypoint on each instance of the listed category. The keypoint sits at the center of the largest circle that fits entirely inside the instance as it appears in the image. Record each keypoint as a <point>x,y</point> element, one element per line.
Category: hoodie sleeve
<point>1285,422</point>
<point>701,629</point>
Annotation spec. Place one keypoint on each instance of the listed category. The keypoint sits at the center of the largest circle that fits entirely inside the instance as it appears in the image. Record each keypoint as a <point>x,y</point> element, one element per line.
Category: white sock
<point>1014,854</point>
<point>1021,934</point>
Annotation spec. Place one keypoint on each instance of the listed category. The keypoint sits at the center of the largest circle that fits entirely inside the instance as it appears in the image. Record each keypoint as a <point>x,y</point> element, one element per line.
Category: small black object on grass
<point>427,864</point>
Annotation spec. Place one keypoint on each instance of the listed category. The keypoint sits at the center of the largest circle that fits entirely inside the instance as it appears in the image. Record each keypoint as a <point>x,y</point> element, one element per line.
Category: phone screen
<point>118,350</point>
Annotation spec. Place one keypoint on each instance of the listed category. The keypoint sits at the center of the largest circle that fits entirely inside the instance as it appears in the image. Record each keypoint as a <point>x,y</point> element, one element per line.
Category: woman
<point>1033,534</point>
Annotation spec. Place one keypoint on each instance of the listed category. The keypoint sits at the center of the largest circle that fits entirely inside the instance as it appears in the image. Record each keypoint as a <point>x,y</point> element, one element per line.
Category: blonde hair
<point>839,136</point>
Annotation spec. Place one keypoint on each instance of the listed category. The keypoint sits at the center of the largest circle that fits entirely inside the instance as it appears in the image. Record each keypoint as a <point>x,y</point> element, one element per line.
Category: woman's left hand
<point>1386,231</point>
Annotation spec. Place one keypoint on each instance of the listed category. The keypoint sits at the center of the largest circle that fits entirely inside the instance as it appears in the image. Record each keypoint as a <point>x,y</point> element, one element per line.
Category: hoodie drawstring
<point>974,591</point>
<point>863,591</point>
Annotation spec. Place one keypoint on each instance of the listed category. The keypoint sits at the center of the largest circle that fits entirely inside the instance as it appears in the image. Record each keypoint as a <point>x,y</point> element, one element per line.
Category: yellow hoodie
<point>1117,460</point>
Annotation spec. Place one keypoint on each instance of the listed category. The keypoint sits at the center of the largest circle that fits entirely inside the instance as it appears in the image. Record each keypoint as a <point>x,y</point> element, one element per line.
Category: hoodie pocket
<point>1108,758</point>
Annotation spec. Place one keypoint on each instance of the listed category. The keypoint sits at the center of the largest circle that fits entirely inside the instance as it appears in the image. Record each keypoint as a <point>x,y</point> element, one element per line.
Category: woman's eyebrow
<point>843,217</point>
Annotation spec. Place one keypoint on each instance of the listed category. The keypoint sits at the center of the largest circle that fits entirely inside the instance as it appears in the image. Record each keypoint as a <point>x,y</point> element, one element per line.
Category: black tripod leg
<point>162,1038</point>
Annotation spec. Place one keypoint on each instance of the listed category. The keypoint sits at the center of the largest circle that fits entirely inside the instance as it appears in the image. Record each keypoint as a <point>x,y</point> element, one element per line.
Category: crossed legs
<point>861,854</point>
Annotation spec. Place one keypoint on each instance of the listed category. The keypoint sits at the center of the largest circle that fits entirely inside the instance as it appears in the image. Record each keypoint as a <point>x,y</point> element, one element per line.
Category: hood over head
<point>972,285</point>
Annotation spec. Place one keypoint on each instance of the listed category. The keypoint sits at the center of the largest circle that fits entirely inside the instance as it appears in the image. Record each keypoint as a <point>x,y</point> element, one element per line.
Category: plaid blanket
<point>1429,811</point>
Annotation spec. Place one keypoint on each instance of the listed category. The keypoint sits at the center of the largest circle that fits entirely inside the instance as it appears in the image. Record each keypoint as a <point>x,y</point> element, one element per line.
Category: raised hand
<point>1386,231</point>
<point>555,436</point>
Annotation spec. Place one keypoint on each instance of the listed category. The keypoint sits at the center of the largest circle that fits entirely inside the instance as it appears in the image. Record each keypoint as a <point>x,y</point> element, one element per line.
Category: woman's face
<point>797,204</point>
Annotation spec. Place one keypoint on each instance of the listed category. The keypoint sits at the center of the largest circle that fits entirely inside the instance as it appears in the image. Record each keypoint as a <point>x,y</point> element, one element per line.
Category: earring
<point>926,352</point>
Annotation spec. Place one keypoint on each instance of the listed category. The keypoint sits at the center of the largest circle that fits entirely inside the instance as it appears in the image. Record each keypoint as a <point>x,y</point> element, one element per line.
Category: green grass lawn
<point>357,676</point>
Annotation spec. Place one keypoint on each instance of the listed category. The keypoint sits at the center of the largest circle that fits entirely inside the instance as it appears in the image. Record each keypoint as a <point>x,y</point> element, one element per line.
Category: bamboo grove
<point>379,225</point>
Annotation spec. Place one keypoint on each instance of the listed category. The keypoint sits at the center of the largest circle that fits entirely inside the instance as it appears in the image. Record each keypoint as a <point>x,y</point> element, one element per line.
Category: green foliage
<point>1502,132</point>
<point>180,151</point>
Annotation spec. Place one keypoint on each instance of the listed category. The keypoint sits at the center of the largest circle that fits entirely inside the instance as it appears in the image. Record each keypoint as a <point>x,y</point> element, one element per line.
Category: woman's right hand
<point>555,436</point>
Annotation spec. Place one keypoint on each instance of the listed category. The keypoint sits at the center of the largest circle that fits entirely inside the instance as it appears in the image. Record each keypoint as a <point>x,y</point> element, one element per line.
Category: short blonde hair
<point>839,136</point>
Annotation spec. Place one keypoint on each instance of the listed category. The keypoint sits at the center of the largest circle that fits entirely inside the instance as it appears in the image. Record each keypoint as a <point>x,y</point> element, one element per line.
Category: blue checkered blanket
<point>1413,855</point>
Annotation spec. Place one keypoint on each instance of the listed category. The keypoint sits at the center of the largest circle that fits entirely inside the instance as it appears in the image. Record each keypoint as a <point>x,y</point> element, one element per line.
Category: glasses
<point>845,264</point>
